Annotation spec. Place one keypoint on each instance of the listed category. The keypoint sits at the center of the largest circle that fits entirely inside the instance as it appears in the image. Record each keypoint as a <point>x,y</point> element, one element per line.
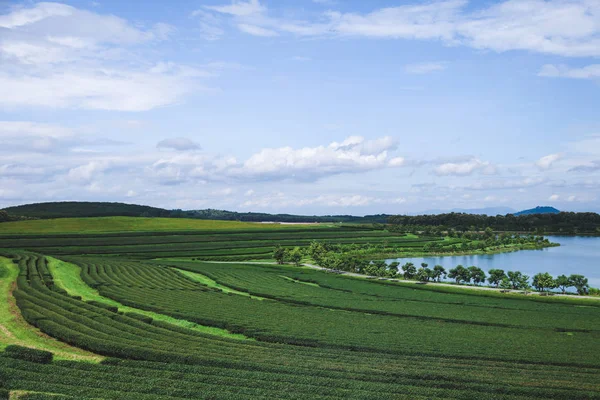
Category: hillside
<point>75,209</point>
<point>125,224</point>
<point>539,210</point>
<point>71,209</point>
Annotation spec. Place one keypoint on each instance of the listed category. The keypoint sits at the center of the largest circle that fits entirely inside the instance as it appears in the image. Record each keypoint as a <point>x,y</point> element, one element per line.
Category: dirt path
<point>6,332</point>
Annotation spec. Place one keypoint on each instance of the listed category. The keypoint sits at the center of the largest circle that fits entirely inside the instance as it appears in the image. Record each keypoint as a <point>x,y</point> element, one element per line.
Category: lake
<point>576,255</point>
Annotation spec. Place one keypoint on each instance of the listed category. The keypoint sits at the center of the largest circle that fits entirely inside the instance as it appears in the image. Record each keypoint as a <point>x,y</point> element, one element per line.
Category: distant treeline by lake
<point>564,222</point>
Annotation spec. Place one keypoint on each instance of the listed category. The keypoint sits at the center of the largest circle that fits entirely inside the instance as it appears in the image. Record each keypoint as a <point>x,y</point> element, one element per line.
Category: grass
<point>14,330</point>
<point>68,277</point>
<point>127,224</point>
<point>205,280</point>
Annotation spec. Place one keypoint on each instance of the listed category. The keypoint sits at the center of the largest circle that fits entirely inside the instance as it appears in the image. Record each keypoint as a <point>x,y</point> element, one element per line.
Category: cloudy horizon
<point>307,107</point>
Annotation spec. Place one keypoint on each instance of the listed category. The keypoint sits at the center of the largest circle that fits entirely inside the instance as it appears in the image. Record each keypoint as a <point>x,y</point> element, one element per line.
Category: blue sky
<point>302,106</point>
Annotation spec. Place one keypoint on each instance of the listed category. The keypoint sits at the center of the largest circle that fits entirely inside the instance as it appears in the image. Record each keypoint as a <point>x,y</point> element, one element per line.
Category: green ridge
<point>68,277</point>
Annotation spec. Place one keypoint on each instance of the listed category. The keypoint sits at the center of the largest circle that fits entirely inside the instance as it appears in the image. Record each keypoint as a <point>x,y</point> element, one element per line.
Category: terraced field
<point>172,329</point>
<point>227,244</point>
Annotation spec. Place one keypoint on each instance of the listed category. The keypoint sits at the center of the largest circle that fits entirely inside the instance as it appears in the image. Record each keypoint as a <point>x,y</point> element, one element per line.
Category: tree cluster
<point>283,255</point>
<point>564,222</point>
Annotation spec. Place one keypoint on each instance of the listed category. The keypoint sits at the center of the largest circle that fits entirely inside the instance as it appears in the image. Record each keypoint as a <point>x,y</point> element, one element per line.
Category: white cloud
<point>280,200</point>
<point>209,24</point>
<point>257,30</point>
<point>502,184</point>
<point>60,56</point>
<point>547,161</point>
<point>180,144</point>
<point>25,16</point>
<point>572,198</point>
<point>223,192</point>
<point>563,71</point>
<point>424,68</point>
<point>240,8</point>
<point>87,172</point>
<point>122,90</point>
<point>465,168</point>
<point>560,27</point>
<point>554,197</point>
<point>355,154</point>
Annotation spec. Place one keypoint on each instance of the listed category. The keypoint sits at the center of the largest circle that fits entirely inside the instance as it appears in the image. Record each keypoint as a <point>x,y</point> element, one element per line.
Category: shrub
<point>28,354</point>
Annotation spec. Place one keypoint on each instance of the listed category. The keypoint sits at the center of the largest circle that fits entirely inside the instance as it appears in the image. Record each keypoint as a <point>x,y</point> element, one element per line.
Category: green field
<point>124,322</point>
<point>125,224</point>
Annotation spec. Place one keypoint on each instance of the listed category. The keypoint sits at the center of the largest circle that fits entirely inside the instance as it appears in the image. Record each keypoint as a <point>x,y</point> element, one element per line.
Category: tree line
<point>564,222</point>
<point>510,280</point>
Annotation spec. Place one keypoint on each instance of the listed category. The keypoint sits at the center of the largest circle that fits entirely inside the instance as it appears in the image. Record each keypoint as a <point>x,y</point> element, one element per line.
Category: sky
<point>303,106</point>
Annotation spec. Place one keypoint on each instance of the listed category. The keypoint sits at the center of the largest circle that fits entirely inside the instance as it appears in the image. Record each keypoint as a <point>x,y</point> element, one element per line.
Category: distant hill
<point>538,210</point>
<point>79,209</point>
<point>70,209</point>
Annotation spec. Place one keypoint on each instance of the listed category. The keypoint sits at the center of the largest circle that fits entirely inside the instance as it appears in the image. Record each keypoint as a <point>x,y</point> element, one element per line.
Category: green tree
<point>424,274</point>
<point>563,282</point>
<point>524,283</point>
<point>580,283</point>
<point>496,276</point>
<point>459,274</point>
<point>409,270</point>
<point>295,256</point>
<point>438,272</point>
<point>393,269</point>
<point>516,278</point>
<point>279,254</point>
<point>317,251</point>
<point>477,275</point>
<point>543,281</point>
<point>489,233</point>
<point>506,284</point>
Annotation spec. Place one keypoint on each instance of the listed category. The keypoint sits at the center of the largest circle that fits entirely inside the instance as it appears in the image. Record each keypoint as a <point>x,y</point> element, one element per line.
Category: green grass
<point>205,280</point>
<point>67,276</point>
<point>127,224</point>
<point>14,330</point>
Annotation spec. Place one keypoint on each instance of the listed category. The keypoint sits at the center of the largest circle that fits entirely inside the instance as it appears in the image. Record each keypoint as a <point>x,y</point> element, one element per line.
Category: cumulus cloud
<point>465,168</point>
<point>547,161</point>
<point>355,154</point>
<point>554,197</point>
<point>59,56</point>
<point>87,172</point>
<point>180,144</point>
<point>566,28</point>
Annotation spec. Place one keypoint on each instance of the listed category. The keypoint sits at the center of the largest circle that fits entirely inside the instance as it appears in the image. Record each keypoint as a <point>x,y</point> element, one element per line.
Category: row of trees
<point>565,222</point>
<point>510,280</point>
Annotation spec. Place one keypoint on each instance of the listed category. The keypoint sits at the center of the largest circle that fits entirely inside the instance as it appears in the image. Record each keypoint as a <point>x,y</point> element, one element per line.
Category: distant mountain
<point>478,211</point>
<point>539,210</point>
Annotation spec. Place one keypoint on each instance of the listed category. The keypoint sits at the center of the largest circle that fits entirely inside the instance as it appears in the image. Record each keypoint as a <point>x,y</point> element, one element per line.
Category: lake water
<point>576,255</point>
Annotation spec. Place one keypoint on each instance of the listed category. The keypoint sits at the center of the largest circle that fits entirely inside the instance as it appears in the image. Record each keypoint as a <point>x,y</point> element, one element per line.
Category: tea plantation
<point>141,326</point>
